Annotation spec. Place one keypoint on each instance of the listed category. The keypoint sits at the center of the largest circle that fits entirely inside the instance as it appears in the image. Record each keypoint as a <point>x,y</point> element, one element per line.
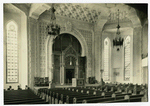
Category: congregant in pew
<point>10,88</point>
<point>26,87</point>
<point>19,88</point>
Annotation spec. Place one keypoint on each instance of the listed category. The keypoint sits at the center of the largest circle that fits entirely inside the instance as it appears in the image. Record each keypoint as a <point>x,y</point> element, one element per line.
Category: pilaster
<point>32,28</point>
<point>98,28</point>
<point>137,55</point>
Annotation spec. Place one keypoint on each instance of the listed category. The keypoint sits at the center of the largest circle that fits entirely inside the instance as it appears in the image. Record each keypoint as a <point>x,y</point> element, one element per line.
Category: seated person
<point>9,88</point>
<point>19,88</point>
<point>26,87</point>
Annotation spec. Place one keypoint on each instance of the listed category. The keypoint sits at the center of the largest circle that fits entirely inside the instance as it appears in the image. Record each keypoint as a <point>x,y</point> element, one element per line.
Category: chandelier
<point>118,41</point>
<point>53,28</point>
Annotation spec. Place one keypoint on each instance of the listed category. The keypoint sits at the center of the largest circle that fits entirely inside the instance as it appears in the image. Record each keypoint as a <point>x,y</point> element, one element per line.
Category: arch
<point>132,15</point>
<point>49,43</point>
<point>12,22</point>
<point>107,59</point>
<point>81,39</point>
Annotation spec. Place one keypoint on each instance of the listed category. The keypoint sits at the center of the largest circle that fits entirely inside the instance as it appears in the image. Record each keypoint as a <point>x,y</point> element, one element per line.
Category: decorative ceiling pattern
<point>113,17</point>
<point>77,12</point>
<point>84,12</point>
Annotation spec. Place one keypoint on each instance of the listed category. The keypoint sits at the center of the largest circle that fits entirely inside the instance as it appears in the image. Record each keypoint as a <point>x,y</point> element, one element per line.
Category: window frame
<point>128,37</point>
<point>109,58</point>
<point>12,22</point>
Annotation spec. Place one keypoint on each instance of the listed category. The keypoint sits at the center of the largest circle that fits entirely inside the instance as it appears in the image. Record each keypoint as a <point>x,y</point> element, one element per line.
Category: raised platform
<point>64,86</point>
<point>38,87</point>
<point>92,84</point>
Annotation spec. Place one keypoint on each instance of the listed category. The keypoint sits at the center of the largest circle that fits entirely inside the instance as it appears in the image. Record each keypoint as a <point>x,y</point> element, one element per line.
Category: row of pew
<point>94,94</point>
<point>22,97</point>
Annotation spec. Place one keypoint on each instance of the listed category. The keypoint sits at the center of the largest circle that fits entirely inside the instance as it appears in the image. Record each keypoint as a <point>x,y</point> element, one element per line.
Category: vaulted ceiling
<point>80,11</point>
<point>77,12</point>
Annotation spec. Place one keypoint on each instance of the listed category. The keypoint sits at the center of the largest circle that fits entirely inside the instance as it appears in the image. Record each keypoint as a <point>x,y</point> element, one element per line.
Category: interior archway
<point>66,51</point>
<point>49,54</point>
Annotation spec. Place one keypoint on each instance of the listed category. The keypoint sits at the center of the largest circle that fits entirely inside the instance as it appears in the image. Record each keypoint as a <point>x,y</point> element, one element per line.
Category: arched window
<point>127,58</point>
<point>12,53</point>
<point>106,72</point>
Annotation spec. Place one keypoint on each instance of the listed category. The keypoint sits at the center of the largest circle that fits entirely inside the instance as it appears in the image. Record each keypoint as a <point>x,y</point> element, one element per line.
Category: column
<point>77,70</point>
<point>62,65</point>
<point>137,55</point>
<point>32,31</point>
<point>98,27</point>
<point>98,48</point>
<point>51,70</point>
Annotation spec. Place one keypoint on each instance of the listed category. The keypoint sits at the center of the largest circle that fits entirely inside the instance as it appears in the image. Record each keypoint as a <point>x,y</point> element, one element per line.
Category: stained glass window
<point>127,59</point>
<point>12,53</point>
<point>106,72</point>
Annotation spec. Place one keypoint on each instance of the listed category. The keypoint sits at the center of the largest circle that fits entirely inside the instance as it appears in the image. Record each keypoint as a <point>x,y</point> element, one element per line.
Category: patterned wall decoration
<point>42,40</point>
<point>37,73</point>
<point>113,17</point>
<point>32,50</point>
<point>77,12</point>
<point>88,38</point>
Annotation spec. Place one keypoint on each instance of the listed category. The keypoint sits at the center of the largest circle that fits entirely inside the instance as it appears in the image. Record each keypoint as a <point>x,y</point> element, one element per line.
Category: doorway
<point>69,76</point>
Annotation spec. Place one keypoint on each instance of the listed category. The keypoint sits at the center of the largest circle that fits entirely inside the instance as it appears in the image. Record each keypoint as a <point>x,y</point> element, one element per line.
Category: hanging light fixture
<point>118,41</point>
<point>53,28</point>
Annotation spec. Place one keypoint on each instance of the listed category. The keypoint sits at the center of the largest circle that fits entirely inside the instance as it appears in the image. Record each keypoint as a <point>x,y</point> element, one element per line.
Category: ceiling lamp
<point>118,41</point>
<point>53,28</point>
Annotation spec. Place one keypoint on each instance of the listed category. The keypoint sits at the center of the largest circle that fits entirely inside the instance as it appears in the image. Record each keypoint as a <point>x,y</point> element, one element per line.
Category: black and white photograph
<point>75,53</point>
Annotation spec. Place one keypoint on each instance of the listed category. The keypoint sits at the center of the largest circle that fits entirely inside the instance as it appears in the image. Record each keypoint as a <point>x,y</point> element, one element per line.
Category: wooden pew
<point>22,97</point>
<point>78,94</point>
<point>80,99</point>
<point>65,97</point>
<point>99,100</point>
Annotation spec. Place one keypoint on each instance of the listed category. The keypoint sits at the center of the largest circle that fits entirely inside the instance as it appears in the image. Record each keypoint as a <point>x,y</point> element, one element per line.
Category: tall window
<point>106,59</point>
<point>11,53</point>
<point>127,58</point>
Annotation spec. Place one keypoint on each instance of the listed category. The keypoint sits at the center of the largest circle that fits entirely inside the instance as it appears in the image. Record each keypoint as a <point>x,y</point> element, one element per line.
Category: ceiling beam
<point>37,9</point>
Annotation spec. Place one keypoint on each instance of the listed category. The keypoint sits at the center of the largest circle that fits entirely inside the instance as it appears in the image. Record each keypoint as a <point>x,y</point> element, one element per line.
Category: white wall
<point>21,21</point>
<point>24,53</point>
<point>117,57</point>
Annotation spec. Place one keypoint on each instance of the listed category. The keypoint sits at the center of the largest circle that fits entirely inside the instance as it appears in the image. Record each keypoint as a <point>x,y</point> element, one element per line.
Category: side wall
<point>21,21</point>
<point>117,57</point>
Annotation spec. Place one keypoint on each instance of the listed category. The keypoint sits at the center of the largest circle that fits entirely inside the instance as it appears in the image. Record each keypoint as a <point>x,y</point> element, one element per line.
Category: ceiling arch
<point>88,12</point>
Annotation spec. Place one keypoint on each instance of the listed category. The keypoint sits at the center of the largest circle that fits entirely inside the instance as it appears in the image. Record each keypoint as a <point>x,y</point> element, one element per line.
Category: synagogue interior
<point>70,53</point>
